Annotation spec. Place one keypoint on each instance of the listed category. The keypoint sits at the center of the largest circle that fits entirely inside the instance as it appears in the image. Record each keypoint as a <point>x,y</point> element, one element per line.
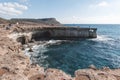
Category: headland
<point>14,65</point>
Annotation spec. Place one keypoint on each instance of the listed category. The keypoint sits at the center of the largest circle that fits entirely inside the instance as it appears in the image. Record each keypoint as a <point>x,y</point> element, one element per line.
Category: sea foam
<point>103,38</point>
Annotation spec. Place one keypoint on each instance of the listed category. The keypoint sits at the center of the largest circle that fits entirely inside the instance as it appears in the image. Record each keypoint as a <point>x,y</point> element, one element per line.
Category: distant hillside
<point>47,21</point>
<point>3,21</point>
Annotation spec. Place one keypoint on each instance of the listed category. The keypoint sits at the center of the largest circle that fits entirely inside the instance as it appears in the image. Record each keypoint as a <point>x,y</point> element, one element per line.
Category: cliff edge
<point>14,65</point>
<point>46,21</point>
<point>3,21</point>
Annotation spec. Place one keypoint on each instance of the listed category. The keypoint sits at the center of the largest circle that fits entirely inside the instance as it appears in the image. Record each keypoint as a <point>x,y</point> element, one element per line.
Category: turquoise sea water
<point>73,55</point>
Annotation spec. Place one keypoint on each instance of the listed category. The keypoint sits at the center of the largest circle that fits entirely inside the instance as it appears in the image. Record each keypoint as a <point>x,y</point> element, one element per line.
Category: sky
<point>65,11</point>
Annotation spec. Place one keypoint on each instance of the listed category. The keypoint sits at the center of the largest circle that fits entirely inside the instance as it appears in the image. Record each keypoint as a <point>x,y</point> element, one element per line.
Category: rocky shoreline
<point>15,65</point>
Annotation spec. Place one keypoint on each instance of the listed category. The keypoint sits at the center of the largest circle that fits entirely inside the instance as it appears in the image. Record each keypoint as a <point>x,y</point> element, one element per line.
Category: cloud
<point>100,4</point>
<point>108,19</point>
<point>23,0</point>
<point>12,8</point>
<point>102,12</point>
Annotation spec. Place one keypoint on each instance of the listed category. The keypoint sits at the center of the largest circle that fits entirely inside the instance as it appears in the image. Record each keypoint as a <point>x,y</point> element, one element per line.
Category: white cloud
<point>103,12</point>
<point>12,8</point>
<point>100,4</point>
<point>103,4</point>
<point>23,0</point>
<point>108,19</point>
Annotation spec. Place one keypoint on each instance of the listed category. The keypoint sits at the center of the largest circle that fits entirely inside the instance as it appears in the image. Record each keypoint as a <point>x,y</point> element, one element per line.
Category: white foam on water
<point>55,42</point>
<point>37,54</point>
<point>14,36</point>
<point>103,38</point>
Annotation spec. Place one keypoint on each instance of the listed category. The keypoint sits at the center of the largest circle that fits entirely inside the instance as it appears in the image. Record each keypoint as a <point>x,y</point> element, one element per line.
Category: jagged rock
<point>37,77</point>
<point>10,76</point>
<point>23,39</point>
<point>3,71</point>
<point>55,74</point>
<point>30,50</point>
<point>117,77</point>
<point>106,68</point>
<point>90,74</point>
<point>14,66</point>
<point>5,68</point>
<point>92,67</point>
<point>82,77</point>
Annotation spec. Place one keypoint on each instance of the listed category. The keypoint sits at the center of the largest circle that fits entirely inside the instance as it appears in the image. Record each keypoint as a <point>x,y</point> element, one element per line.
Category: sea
<point>70,56</point>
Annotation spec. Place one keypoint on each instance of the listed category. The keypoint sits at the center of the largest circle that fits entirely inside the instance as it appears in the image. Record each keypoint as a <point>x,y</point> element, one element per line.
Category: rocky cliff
<point>14,65</point>
<point>46,21</point>
<point>3,21</point>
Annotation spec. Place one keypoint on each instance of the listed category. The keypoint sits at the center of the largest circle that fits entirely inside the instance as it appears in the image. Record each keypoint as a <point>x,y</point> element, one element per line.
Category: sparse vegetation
<point>3,21</point>
<point>47,21</point>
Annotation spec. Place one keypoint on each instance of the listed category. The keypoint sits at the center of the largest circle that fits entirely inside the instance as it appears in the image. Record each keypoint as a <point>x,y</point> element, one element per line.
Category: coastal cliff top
<point>31,21</point>
<point>27,21</point>
<point>3,21</point>
<point>14,65</point>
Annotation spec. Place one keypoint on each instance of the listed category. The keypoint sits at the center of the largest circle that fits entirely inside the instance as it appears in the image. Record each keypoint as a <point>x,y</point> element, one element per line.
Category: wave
<point>37,55</point>
<point>107,40</point>
<point>54,42</point>
<point>102,53</point>
<point>103,38</point>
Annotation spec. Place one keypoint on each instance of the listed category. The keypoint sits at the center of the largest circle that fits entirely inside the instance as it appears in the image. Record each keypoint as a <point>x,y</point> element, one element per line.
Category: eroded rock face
<point>3,71</point>
<point>55,74</point>
<point>14,65</point>
<point>37,77</point>
<point>23,39</point>
<point>51,74</point>
<point>46,21</point>
<point>90,74</point>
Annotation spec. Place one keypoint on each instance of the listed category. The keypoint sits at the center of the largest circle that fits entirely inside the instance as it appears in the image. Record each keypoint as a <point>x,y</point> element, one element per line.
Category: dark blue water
<point>70,56</point>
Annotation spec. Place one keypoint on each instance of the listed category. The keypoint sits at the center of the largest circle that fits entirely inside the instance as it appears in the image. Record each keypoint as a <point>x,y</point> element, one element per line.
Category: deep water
<point>72,55</point>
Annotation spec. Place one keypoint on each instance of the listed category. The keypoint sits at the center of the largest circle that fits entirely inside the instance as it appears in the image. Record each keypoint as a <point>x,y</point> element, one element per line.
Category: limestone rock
<point>37,77</point>
<point>106,68</point>
<point>92,67</point>
<point>14,65</point>
<point>3,71</point>
<point>90,74</point>
<point>55,74</point>
<point>23,39</point>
